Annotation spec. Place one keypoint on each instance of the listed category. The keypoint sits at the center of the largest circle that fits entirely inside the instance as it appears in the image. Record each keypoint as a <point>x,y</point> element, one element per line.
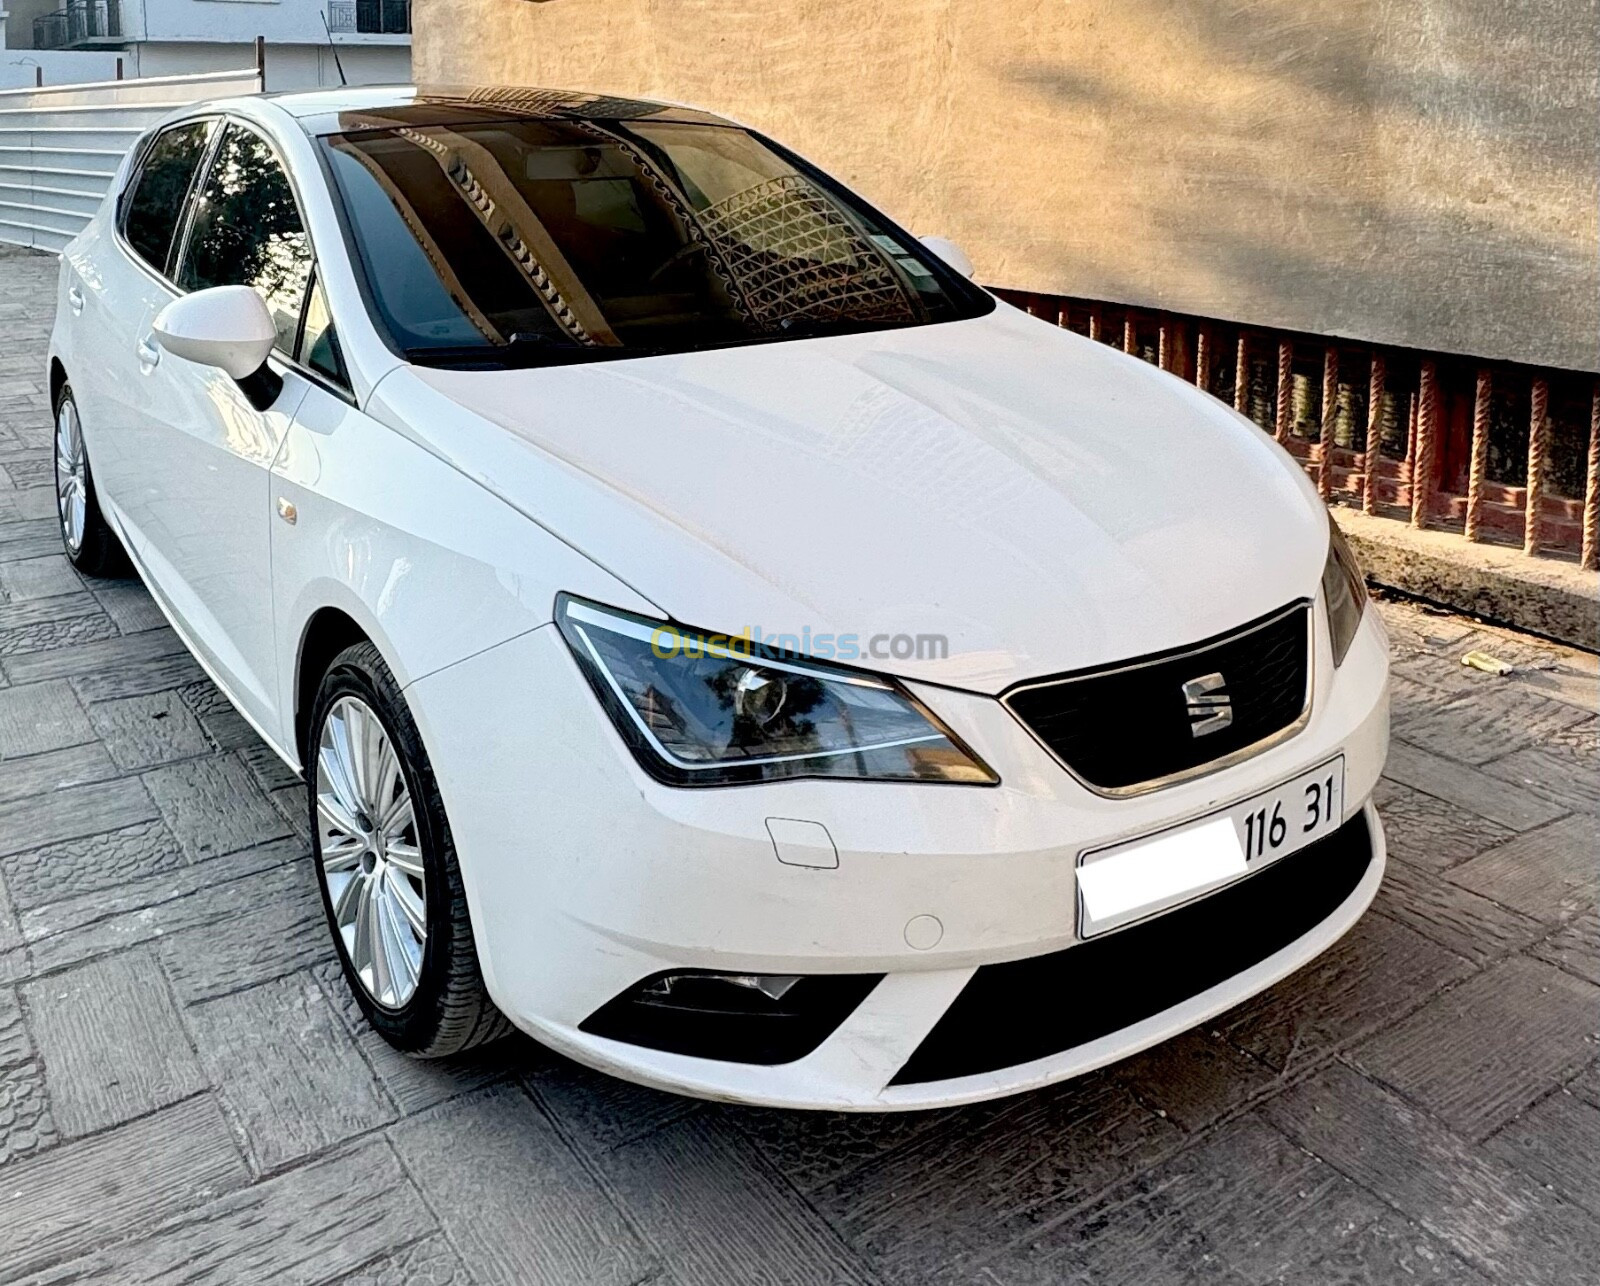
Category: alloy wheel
<point>371,857</point>
<point>72,477</point>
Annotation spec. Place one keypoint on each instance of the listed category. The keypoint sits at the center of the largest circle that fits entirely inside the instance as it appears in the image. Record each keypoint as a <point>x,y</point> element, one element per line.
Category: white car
<point>718,638</point>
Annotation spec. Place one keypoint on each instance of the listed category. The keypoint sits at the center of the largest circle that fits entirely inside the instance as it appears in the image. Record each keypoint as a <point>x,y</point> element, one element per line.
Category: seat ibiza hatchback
<point>717,637</point>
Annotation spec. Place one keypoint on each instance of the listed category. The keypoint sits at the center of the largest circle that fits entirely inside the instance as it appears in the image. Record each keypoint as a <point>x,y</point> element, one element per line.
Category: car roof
<point>344,110</point>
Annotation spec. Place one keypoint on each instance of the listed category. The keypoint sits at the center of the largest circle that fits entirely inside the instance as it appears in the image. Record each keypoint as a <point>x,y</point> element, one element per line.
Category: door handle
<point>149,356</point>
<point>75,299</point>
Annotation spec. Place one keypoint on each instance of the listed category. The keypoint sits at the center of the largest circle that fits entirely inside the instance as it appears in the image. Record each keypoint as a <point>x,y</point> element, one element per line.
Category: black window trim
<point>180,236</point>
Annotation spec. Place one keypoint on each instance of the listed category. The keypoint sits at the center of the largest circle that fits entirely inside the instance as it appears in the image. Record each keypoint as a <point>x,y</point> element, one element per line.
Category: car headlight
<point>707,710</point>
<point>1344,589</point>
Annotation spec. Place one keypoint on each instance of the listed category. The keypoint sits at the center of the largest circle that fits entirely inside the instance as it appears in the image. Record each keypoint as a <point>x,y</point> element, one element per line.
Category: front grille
<point>1009,1014</point>
<point>1130,727</point>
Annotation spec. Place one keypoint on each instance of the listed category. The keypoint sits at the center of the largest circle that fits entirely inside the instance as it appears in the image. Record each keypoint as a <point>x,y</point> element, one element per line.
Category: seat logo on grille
<point>1210,706</point>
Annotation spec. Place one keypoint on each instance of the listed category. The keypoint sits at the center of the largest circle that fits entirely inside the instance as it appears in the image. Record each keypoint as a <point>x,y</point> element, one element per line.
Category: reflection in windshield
<point>547,238</point>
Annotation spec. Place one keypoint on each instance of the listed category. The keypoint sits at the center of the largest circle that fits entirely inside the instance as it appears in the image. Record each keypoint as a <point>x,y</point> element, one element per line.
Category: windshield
<point>546,241</point>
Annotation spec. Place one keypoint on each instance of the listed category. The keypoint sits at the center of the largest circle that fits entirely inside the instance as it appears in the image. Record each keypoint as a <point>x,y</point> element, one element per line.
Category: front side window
<point>319,344</point>
<point>154,204</point>
<point>247,231</point>
<point>548,239</point>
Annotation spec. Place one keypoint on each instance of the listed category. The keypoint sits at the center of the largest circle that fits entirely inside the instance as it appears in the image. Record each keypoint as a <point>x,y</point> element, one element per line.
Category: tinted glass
<point>155,205</point>
<point>319,345</point>
<point>549,240</point>
<point>247,231</point>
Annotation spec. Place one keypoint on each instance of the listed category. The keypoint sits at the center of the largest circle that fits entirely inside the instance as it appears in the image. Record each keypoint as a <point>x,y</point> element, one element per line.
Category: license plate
<point>1128,881</point>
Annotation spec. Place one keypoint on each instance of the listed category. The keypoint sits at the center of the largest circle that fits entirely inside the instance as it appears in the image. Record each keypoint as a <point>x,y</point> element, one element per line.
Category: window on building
<point>248,232</point>
<point>155,203</point>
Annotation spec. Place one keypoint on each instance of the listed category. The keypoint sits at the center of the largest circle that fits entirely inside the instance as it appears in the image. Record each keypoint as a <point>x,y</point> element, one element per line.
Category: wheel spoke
<point>335,755</point>
<point>342,853</point>
<point>406,856</point>
<point>397,956</point>
<point>346,901</point>
<point>398,820</point>
<point>406,901</point>
<point>365,953</point>
<point>333,814</point>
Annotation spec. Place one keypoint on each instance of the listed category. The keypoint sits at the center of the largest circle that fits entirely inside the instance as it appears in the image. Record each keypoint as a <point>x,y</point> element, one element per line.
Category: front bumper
<point>584,876</point>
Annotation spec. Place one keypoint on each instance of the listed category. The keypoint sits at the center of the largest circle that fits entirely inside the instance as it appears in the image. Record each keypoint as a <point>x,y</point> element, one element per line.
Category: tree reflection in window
<point>248,232</point>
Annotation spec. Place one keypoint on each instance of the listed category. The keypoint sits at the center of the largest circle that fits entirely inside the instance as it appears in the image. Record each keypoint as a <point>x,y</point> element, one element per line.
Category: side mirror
<point>951,253</point>
<point>227,327</point>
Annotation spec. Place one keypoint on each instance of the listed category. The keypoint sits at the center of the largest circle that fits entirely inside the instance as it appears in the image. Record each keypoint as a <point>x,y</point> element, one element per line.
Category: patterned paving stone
<point>1485,1050</point>
<point>15,1047</point>
<point>112,1044</point>
<point>39,717</point>
<point>513,1199</point>
<point>1550,873</point>
<point>1557,1142</point>
<point>299,1229</point>
<point>1468,789</point>
<point>73,867</point>
<point>429,1262</point>
<point>1486,724</point>
<point>1456,918</point>
<point>123,1183</point>
<point>38,578</point>
<point>225,725</point>
<point>1372,976</point>
<point>129,605</point>
<point>1195,1079</point>
<point>1244,1205</point>
<point>26,1126</point>
<point>21,643</point>
<point>287,1070</point>
<point>57,770</point>
<point>142,732</point>
<point>716,1214</point>
<point>1559,776</point>
<point>213,806</point>
<point>1575,947</point>
<point>597,1112</point>
<point>1505,1224</point>
<point>815,1149</point>
<point>64,933</point>
<point>248,931</point>
<point>937,1206</point>
<point>139,678</point>
<point>68,814</point>
<point>14,962</point>
<point>1384,1253</point>
<point>74,658</point>
<point>1432,833</point>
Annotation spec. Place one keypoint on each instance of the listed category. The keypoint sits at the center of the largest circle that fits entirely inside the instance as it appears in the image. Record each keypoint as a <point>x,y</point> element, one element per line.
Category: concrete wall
<point>1418,172</point>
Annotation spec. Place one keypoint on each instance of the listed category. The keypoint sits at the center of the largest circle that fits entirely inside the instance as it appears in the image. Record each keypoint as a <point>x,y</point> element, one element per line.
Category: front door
<point>205,503</point>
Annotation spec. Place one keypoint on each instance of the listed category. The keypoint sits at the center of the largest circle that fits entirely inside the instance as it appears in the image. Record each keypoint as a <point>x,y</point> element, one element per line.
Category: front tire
<point>91,546</point>
<point>386,864</point>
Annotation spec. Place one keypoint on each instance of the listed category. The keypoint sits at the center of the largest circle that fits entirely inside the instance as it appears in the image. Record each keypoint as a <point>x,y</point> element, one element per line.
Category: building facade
<point>308,42</point>
<point>1404,172</point>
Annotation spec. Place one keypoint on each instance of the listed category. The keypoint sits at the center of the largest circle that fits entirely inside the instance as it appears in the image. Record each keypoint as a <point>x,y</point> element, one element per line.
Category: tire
<point>403,853</point>
<point>90,544</point>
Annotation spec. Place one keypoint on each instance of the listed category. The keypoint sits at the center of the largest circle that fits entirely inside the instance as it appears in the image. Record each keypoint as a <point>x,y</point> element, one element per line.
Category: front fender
<point>428,564</point>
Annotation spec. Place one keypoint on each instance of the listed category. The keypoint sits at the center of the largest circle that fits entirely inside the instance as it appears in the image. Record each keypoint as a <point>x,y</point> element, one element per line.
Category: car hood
<point>1041,502</point>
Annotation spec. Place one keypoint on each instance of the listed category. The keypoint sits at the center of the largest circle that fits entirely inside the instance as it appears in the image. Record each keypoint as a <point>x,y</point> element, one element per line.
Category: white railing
<point>60,146</point>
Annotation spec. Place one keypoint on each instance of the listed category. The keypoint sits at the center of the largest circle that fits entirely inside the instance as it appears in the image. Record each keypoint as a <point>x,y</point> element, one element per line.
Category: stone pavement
<point>186,1093</point>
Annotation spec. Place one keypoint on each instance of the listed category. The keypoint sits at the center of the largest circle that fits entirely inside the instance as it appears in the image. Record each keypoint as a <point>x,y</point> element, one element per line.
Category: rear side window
<point>247,231</point>
<point>155,204</point>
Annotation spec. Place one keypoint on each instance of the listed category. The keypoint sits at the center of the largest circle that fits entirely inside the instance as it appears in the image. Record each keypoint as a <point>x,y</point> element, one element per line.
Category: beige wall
<point>1417,172</point>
